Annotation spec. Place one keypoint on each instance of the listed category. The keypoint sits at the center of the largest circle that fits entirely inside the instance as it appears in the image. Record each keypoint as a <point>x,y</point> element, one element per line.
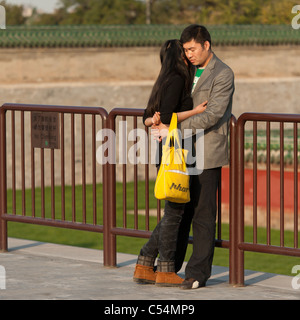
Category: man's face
<point>197,54</point>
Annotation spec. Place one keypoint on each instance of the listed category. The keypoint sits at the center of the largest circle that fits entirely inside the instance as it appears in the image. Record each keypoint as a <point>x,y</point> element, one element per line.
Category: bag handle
<point>173,133</point>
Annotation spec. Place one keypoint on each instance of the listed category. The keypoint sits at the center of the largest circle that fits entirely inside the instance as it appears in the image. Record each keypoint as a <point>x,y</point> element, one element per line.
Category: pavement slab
<point>44,271</point>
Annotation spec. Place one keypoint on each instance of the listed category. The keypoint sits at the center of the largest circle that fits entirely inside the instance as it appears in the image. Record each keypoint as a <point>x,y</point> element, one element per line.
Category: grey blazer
<point>216,85</point>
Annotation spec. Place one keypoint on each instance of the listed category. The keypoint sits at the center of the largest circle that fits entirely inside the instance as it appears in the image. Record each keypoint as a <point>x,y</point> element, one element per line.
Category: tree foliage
<point>14,14</point>
<point>214,12</point>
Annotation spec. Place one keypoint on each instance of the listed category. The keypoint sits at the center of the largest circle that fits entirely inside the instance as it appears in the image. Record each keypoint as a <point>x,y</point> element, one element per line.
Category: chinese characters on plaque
<point>45,131</point>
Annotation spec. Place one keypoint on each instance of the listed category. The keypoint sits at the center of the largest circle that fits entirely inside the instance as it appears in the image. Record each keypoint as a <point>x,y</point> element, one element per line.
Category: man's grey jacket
<point>216,85</point>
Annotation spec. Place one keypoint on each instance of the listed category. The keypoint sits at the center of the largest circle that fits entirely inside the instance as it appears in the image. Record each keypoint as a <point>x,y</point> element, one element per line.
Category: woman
<point>170,93</point>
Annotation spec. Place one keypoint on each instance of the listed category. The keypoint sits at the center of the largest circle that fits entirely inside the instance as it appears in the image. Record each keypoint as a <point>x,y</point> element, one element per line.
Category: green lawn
<point>253,261</point>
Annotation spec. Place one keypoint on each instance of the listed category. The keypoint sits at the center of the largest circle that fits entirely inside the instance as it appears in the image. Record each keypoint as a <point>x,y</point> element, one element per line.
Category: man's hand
<point>159,131</point>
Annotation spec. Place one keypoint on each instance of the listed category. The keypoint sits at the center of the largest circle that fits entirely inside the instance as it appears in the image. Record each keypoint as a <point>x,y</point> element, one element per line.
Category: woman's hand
<point>156,118</point>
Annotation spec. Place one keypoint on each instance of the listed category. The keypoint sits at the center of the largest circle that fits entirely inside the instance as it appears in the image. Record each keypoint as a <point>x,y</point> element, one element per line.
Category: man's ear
<point>206,45</point>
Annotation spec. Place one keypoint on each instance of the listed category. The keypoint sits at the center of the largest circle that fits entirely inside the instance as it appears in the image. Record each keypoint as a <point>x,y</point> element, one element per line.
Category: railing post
<point>240,201</point>
<point>233,223</point>
<point>3,197</point>
<point>109,217</point>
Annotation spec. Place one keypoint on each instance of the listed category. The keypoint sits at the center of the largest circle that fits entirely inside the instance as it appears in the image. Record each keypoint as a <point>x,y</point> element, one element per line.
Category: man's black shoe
<point>191,283</point>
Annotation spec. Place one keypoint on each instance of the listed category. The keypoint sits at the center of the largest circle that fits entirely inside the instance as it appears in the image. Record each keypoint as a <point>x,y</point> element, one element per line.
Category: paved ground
<point>38,271</point>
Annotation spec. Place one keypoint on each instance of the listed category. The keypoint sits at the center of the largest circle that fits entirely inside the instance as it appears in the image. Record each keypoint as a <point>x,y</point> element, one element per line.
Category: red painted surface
<point>262,188</point>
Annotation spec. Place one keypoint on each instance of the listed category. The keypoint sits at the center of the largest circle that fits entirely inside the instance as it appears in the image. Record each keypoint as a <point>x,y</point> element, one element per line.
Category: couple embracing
<point>199,87</point>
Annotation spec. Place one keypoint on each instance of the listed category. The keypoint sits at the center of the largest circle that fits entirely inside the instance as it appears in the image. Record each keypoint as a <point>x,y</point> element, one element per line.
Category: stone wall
<point>267,78</point>
<point>251,94</point>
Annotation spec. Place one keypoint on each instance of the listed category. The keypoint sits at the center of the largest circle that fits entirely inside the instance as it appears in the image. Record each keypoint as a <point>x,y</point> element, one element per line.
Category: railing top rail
<point>55,108</point>
<point>275,117</point>
<point>126,112</point>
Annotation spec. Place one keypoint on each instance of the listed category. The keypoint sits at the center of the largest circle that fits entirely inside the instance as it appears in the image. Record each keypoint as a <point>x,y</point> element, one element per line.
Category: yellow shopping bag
<point>172,181</point>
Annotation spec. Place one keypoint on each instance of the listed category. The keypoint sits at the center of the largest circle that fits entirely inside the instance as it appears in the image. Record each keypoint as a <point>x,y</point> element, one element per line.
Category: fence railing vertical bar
<point>3,183</point>
<point>219,210</point>
<point>83,168</point>
<point>233,268</point>
<point>135,174</point>
<point>281,164</point>
<point>124,169</point>
<point>255,181</point>
<point>62,166</point>
<point>108,208</point>
<point>42,183</point>
<point>94,160</point>
<point>23,164</point>
<point>295,131</point>
<point>240,200</point>
<point>13,157</point>
<point>109,221</point>
<point>147,210</point>
<point>32,178</point>
<point>268,183</point>
<point>73,167</point>
<point>281,184</point>
<point>1,175</point>
<point>52,185</point>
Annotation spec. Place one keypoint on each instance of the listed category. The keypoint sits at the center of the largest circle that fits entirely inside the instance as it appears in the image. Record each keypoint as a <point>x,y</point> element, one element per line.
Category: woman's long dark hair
<point>173,61</point>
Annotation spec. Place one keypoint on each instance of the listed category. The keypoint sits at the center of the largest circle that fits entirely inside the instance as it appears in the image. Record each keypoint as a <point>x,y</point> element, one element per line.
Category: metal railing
<point>265,121</point>
<point>67,156</point>
<point>135,231</point>
<point>73,120</point>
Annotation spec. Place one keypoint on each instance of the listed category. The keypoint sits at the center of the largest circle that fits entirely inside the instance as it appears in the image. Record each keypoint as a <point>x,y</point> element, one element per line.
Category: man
<point>214,82</point>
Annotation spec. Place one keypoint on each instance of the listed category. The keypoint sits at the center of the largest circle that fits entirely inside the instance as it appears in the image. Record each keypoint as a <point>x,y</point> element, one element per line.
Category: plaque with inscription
<point>45,130</point>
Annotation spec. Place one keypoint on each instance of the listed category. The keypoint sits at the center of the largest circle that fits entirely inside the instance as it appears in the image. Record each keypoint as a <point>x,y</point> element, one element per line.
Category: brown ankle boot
<point>168,279</point>
<point>144,274</point>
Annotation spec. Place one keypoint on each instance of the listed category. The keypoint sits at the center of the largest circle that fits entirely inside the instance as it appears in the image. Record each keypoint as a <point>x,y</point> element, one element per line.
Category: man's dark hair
<point>195,32</point>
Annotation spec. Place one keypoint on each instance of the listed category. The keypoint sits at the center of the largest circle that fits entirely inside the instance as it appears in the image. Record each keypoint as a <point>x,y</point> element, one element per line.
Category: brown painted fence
<point>134,115</point>
<point>42,209</point>
<point>74,167</point>
<point>265,124</point>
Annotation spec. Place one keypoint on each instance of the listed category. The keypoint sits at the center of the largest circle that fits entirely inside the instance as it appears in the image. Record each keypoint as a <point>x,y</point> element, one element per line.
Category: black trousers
<point>163,240</point>
<point>201,211</point>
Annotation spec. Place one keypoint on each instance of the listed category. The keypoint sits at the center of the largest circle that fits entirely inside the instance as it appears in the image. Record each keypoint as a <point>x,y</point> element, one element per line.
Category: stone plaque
<point>45,130</point>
